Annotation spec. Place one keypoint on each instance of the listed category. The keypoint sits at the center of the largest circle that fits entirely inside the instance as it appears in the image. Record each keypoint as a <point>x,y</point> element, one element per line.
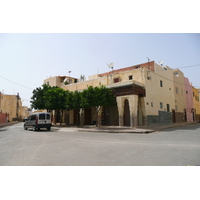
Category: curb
<point>117,131</point>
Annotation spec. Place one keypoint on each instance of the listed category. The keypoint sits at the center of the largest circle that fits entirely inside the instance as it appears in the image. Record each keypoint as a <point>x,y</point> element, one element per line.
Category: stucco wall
<point>179,91</point>
<point>188,100</point>
<point>159,89</point>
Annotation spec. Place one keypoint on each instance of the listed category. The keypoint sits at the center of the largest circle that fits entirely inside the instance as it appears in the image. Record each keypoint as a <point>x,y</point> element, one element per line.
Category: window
<point>33,117</point>
<point>48,116</point>
<point>42,116</point>
<point>161,105</point>
<point>176,74</point>
<point>168,108</point>
<point>136,67</point>
<point>116,80</point>
<point>151,104</point>
<point>161,83</point>
<point>176,108</point>
<point>177,90</point>
<point>130,77</point>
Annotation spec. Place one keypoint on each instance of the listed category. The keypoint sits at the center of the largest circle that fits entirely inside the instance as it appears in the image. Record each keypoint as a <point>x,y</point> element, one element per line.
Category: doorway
<point>126,113</point>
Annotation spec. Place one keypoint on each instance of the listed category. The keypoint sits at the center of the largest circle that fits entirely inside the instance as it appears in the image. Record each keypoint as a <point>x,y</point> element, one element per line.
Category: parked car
<point>25,119</point>
<point>37,121</point>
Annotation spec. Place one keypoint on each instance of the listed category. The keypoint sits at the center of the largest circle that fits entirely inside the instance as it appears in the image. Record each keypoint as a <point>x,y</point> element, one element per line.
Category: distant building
<point>11,108</point>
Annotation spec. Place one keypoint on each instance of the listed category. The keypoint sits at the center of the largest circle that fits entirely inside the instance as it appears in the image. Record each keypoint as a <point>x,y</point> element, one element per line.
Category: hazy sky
<point>27,59</point>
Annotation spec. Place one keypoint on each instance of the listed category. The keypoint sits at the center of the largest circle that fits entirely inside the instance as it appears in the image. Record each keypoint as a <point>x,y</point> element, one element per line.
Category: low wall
<point>162,118</point>
<point>3,118</point>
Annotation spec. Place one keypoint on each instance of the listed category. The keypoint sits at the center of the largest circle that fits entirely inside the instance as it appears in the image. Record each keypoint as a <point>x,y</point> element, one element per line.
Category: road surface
<point>68,147</point>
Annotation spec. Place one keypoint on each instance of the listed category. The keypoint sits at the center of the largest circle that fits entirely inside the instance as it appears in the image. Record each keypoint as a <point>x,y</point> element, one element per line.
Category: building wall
<point>159,100</point>
<point>166,100</point>
<point>12,105</point>
<point>179,95</point>
<point>196,103</point>
<point>60,81</point>
<point>188,100</point>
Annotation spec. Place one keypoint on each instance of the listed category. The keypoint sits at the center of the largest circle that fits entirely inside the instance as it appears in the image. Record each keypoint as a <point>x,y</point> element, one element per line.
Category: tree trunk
<point>81,116</point>
<point>98,114</point>
<point>61,112</point>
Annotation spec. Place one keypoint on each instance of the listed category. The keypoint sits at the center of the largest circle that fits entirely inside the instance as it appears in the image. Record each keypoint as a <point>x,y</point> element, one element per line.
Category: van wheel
<point>49,128</point>
<point>25,128</point>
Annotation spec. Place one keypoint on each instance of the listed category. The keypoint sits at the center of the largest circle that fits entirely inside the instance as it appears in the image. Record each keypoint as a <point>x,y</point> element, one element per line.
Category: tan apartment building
<point>12,106</point>
<point>196,104</point>
<point>146,94</point>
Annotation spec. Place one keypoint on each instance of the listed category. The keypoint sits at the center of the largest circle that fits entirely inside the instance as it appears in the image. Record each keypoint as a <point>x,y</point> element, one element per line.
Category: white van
<point>37,121</point>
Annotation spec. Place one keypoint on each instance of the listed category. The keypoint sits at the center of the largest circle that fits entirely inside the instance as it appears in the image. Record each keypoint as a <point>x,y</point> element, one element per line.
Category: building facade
<point>11,108</point>
<point>147,94</point>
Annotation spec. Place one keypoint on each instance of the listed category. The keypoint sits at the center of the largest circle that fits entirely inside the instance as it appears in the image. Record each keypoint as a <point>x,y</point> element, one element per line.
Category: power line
<point>16,83</point>
<point>179,67</point>
<point>189,66</point>
<point>171,79</point>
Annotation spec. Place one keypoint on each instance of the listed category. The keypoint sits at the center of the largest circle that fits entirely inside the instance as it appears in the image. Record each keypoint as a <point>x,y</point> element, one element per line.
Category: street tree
<point>39,97</point>
<point>97,97</point>
<point>58,99</point>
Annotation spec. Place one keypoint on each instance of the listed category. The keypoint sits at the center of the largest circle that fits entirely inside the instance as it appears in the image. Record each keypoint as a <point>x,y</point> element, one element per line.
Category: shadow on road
<point>188,127</point>
<point>43,130</point>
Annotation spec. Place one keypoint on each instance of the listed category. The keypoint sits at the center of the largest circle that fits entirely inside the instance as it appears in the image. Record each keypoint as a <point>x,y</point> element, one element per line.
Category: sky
<point>26,59</point>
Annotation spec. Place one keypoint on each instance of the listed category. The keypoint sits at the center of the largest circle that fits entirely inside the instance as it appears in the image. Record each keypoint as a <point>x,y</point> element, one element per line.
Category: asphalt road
<point>67,147</point>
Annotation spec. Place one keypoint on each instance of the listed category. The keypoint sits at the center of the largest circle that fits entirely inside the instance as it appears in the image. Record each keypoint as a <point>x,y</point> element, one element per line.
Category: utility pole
<point>148,63</point>
<point>69,76</point>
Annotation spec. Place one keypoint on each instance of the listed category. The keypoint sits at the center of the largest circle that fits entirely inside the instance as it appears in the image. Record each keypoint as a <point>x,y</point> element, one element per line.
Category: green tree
<point>58,99</point>
<point>76,104</point>
<point>97,97</point>
<point>52,98</point>
<point>39,97</point>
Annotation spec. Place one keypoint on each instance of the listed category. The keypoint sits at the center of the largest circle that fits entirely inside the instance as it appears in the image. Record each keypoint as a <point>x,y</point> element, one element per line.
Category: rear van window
<point>48,116</point>
<point>42,116</point>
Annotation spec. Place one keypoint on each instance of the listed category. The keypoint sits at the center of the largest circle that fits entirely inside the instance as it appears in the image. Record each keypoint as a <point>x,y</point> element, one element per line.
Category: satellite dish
<point>111,65</point>
<point>161,63</point>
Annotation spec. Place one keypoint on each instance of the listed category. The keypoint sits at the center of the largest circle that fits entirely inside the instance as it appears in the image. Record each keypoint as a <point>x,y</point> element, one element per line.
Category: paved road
<point>67,147</point>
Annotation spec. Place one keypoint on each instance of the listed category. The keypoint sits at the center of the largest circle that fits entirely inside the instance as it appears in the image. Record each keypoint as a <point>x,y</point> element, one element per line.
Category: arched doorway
<point>126,113</point>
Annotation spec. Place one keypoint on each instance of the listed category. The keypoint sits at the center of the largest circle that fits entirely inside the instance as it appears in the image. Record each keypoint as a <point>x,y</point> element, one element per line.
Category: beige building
<point>146,94</point>
<point>12,105</point>
<point>196,104</point>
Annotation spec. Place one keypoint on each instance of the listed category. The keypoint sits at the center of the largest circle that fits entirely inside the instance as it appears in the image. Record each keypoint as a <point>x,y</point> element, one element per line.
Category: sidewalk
<point>120,129</point>
<point>8,123</point>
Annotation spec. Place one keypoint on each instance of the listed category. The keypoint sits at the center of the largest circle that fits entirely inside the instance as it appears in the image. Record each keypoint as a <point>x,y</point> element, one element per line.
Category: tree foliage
<point>39,97</point>
<point>97,96</point>
<point>55,98</point>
